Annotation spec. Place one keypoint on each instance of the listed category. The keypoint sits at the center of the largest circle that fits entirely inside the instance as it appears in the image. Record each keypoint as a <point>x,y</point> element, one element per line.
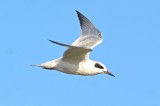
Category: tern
<point>75,59</point>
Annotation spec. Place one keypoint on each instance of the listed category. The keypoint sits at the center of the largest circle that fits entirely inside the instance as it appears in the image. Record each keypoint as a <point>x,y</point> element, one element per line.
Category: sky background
<point>131,51</point>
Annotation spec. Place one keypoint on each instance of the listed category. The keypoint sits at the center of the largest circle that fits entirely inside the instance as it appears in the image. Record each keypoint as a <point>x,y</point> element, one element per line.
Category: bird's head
<point>101,68</point>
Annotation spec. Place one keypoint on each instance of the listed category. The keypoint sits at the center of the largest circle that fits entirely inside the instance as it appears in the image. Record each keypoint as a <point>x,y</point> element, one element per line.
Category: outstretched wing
<point>89,38</point>
<point>90,35</point>
<point>73,53</point>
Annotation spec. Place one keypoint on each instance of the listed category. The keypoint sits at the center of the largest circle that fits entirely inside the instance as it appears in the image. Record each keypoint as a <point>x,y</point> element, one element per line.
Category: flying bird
<point>75,59</point>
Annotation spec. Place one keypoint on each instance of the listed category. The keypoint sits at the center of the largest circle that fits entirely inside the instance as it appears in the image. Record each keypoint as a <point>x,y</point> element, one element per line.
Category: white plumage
<point>75,59</point>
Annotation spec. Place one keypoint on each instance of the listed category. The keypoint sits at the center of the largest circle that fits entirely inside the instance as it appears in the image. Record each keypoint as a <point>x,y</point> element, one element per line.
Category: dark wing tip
<point>79,13</point>
<point>62,44</point>
<point>51,41</point>
<point>87,26</point>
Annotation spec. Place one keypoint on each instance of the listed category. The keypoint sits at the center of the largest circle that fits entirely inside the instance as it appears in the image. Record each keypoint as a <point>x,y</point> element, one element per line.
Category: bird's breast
<point>86,68</point>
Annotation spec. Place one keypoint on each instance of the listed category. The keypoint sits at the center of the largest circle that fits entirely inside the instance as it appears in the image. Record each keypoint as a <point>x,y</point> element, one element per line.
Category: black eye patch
<point>97,65</point>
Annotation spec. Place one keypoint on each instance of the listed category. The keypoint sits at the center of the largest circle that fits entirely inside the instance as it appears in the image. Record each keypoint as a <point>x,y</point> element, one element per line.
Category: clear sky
<point>131,51</point>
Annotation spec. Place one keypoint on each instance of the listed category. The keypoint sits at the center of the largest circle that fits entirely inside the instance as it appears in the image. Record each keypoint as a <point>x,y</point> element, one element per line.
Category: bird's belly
<point>86,72</point>
<point>78,69</point>
<point>68,68</point>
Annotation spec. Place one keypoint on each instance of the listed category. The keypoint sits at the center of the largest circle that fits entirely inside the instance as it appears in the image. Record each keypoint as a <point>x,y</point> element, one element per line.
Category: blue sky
<point>131,50</point>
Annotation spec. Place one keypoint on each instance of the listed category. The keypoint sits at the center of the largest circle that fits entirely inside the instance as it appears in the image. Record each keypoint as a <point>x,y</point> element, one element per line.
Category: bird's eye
<point>98,66</point>
<point>99,34</point>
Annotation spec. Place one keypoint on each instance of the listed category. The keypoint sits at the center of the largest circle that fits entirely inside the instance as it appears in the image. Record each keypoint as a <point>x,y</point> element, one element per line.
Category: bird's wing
<point>89,38</point>
<point>90,35</point>
<point>73,54</point>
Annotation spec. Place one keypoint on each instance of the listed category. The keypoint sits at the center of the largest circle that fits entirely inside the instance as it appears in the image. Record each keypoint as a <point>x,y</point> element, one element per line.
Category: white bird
<point>75,59</point>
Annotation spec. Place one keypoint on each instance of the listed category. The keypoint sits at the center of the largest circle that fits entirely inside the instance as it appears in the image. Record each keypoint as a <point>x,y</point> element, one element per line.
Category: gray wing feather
<point>61,44</point>
<point>87,27</point>
<point>80,49</point>
<point>74,53</point>
<point>91,36</point>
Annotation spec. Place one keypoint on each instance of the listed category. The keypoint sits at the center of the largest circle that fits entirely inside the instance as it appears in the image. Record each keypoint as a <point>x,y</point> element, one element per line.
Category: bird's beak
<point>109,73</point>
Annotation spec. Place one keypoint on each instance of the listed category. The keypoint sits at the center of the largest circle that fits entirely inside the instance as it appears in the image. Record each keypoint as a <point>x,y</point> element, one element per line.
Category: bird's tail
<point>38,65</point>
